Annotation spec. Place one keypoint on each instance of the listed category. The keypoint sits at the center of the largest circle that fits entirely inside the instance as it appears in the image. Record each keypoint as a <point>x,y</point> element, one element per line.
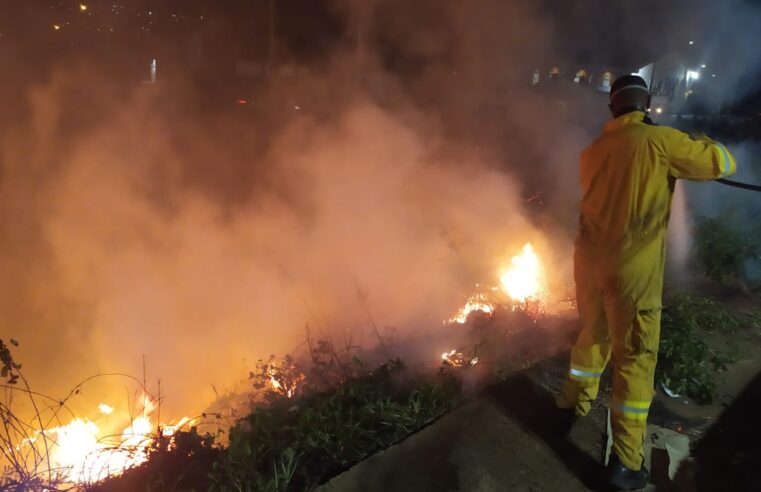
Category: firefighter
<point>627,179</point>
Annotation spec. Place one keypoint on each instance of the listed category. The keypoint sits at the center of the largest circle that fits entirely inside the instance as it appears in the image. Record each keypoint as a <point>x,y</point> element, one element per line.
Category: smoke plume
<point>166,221</point>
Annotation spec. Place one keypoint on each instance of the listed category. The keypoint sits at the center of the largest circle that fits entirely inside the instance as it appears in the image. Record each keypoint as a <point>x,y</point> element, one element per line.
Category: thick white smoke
<point>131,261</point>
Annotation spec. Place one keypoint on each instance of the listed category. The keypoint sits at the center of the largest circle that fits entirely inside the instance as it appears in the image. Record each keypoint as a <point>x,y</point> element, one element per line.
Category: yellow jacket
<point>627,181</point>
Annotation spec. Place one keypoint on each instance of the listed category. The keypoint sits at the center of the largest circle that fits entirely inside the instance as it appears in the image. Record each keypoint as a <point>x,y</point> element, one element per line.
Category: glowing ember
<point>522,281</point>
<point>283,383</point>
<point>277,386</point>
<point>476,302</point>
<point>458,359</point>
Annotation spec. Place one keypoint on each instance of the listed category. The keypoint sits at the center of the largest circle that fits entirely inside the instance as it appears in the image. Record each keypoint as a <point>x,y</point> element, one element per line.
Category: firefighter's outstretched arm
<point>699,159</point>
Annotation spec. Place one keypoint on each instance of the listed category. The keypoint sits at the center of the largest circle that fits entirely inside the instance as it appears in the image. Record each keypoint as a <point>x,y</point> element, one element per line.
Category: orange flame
<point>477,302</point>
<point>84,451</point>
<point>458,359</point>
<point>284,385</point>
<point>522,281</point>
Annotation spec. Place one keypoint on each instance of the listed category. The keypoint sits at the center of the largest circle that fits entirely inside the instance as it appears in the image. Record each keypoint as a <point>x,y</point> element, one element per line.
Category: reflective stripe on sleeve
<point>579,373</point>
<point>725,164</point>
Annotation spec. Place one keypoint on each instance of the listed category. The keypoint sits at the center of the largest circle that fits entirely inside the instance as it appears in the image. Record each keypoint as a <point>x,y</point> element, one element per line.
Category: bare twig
<point>39,420</point>
<point>25,460</point>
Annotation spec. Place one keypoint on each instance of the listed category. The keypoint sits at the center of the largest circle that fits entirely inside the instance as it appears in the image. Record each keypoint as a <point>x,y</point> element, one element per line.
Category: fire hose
<point>737,184</point>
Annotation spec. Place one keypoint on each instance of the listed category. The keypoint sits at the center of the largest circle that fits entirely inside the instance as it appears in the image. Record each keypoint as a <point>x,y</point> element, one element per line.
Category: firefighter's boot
<point>622,478</point>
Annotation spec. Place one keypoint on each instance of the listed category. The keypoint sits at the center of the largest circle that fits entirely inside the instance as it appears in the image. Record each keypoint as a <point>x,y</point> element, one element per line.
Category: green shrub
<point>687,364</point>
<point>723,247</point>
<point>294,445</point>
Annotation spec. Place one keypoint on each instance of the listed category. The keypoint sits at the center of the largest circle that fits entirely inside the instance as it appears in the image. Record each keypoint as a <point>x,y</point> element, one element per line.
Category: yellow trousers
<point>617,324</point>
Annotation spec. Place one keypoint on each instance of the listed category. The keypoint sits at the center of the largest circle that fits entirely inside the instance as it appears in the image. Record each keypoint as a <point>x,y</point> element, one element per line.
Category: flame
<point>458,359</point>
<point>275,384</point>
<point>522,281</point>
<point>281,383</point>
<point>476,302</point>
<point>84,451</point>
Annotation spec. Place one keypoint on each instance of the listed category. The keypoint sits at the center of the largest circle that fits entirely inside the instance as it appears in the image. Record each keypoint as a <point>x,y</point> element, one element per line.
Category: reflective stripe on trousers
<point>632,409</point>
<point>583,373</point>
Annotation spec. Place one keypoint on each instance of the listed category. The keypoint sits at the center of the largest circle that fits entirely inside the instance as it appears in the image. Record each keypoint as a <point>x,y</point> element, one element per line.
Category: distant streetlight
<point>154,67</point>
<point>692,75</point>
<point>56,27</point>
<point>713,75</point>
<point>692,42</point>
<point>82,7</point>
<point>702,66</point>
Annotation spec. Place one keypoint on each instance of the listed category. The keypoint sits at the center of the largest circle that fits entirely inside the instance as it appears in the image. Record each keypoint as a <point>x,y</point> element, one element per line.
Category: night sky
<point>122,36</point>
<point>588,30</point>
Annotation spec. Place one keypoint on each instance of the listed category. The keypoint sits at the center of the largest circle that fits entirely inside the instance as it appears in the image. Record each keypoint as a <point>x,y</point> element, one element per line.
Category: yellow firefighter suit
<point>627,180</point>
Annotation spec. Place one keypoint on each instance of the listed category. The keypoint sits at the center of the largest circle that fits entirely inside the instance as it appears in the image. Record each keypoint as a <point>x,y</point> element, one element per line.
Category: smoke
<point>166,222</point>
<point>737,208</point>
<point>116,245</point>
<point>714,200</point>
<point>144,221</point>
<point>733,33</point>
<point>679,237</point>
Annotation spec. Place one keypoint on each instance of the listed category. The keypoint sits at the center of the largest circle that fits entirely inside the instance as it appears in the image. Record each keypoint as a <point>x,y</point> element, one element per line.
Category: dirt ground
<point>502,439</point>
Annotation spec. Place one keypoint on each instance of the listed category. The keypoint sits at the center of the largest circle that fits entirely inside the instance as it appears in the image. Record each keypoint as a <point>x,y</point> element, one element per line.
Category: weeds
<point>312,416</point>
<point>24,446</point>
<point>686,362</point>
<point>318,415</point>
<point>34,445</point>
<point>297,445</point>
<point>724,247</point>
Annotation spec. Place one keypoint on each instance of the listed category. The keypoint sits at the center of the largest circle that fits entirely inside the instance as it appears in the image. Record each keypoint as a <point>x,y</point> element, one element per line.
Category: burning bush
<point>281,378</point>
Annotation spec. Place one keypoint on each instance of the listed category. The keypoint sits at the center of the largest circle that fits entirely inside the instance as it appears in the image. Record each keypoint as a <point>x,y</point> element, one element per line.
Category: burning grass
<point>296,440</point>
<point>521,284</point>
<point>311,417</point>
<point>316,413</point>
<point>310,414</point>
<point>55,450</point>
